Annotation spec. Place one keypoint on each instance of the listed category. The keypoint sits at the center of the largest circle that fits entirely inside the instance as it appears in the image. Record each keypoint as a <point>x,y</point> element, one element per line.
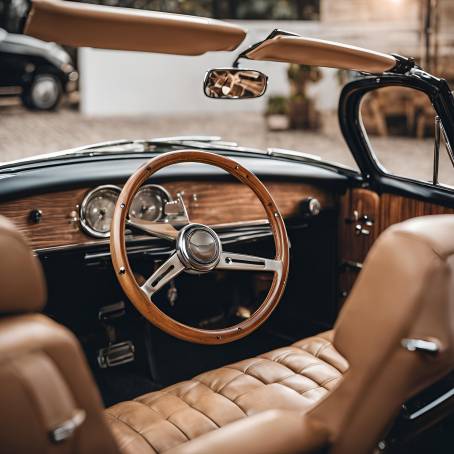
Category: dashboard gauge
<point>96,210</point>
<point>149,202</point>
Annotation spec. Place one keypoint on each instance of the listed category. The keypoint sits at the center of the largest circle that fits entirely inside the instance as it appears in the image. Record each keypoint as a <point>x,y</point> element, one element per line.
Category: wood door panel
<point>358,203</point>
<point>396,209</point>
<point>207,202</point>
<point>354,243</point>
<point>387,209</point>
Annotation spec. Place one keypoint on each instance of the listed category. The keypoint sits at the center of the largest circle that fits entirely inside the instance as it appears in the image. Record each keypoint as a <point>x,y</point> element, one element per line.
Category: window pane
<point>399,122</point>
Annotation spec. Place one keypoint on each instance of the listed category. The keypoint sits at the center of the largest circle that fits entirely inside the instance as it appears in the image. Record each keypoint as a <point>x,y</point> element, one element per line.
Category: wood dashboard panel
<point>207,202</point>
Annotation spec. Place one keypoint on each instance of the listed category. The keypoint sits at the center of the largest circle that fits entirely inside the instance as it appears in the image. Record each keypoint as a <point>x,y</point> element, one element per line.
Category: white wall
<point>117,83</point>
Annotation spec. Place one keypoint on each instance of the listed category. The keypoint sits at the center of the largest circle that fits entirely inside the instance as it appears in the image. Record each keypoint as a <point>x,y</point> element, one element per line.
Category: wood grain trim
<point>217,202</point>
<point>386,210</point>
<point>355,247</point>
<point>226,202</point>
<point>396,209</point>
<point>56,228</point>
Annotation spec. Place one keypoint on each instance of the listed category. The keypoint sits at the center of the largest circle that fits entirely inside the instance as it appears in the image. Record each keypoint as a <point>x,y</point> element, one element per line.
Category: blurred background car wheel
<point>43,93</point>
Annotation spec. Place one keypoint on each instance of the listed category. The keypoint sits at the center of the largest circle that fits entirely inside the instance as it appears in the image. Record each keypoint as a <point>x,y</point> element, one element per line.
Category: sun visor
<point>316,52</point>
<point>105,27</point>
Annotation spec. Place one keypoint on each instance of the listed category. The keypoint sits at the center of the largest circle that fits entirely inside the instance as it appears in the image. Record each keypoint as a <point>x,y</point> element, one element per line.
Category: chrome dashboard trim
<point>431,405</point>
<point>86,199</point>
<point>156,187</point>
<point>243,232</point>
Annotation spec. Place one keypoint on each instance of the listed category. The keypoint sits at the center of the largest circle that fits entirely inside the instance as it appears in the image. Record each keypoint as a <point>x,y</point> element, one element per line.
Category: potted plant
<point>301,108</point>
<point>277,113</point>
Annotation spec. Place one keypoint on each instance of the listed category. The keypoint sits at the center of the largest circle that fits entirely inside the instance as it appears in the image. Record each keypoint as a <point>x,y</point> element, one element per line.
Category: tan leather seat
<point>339,390</point>
<point>46,388</point>
<point>290,378</point>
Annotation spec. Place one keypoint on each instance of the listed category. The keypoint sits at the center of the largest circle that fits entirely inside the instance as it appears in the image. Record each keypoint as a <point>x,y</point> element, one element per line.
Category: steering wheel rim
<point>139,297</point>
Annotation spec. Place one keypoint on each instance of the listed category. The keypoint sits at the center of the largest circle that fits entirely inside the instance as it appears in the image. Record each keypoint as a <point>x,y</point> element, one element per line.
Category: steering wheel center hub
<point>199,247</point>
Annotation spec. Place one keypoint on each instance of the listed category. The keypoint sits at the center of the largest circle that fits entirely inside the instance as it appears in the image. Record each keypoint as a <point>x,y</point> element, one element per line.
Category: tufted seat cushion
<point>289,378</point>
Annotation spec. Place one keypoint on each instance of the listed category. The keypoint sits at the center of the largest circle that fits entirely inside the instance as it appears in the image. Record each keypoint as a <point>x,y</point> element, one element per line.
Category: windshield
<point>100,95</point>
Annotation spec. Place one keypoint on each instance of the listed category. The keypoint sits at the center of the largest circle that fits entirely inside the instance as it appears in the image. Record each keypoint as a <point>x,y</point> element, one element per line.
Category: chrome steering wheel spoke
<point>171,268</point>
<point>162,230</point>
<point>234,261</point>
<point>176,215</point>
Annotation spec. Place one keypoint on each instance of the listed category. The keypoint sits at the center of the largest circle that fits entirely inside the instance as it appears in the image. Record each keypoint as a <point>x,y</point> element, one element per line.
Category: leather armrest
<point>270,432</point>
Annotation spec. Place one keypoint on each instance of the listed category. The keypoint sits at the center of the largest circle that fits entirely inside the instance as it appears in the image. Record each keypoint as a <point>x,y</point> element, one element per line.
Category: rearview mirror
<point>234,83</point>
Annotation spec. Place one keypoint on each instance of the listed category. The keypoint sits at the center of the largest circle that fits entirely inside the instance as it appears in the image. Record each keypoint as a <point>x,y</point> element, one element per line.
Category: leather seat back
<point>405,291</point>
<point>48,400</point>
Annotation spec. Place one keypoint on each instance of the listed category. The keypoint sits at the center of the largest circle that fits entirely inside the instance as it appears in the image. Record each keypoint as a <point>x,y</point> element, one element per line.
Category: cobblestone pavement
<point>24,133</point>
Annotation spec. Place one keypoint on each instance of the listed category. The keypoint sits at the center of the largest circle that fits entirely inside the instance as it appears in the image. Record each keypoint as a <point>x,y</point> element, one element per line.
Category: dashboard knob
<point>311,207</point>
<point>35,216</point>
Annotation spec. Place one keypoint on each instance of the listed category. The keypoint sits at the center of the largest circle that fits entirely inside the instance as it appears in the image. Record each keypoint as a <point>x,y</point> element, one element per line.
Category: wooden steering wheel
<point>198,249</point>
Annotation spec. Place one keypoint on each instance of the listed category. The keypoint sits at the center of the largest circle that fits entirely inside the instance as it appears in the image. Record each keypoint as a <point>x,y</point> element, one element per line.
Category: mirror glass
<point>234,83</point>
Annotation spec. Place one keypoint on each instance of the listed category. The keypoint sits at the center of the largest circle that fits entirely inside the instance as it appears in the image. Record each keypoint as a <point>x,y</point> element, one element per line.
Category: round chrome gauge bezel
<point>163,194</point>
<point>83,210</point>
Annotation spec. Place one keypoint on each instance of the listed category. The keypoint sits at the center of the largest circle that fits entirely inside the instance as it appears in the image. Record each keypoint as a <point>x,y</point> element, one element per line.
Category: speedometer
<point>96,210</point>
<point>149,202</point>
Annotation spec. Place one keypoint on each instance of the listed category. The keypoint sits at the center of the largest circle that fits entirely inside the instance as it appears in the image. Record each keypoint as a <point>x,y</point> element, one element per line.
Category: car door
<point>12,62</point>
<point>399,128</point>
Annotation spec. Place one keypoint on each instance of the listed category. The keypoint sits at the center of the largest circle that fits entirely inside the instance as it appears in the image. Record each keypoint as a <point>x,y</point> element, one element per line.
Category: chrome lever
<point>66,429</point>
<point>176,211</point>
<point>420,345</point>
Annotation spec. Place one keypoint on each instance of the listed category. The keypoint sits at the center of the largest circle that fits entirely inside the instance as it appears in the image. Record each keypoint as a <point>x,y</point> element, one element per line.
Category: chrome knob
<point>311,207</point>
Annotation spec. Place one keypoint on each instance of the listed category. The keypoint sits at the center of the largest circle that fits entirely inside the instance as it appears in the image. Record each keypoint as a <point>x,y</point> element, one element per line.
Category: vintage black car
<point>187,295</point>
<point>40,72</point>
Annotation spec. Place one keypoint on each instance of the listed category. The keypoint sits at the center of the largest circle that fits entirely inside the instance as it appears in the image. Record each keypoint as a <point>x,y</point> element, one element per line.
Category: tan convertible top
<point>104,27</point>
<point>317,52</point>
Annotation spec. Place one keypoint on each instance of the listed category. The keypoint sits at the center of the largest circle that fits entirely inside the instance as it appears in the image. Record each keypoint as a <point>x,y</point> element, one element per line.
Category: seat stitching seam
<point>134,430</point>
<point>225,397</point>
<point>310,338</point>
<point>250,375</point>
<point>163,418</point>
<point>320,349</point>
<point>334,367</point>
<point>222,395</point>
<point>322,385</point>
<point>256,378</point>
<point>200,411</point>
<point>189,389</point>
<point>329,380</point>
<point>283,379</point>
<point>283,356</point>
<point>261,360</point>
<point>219,391</point>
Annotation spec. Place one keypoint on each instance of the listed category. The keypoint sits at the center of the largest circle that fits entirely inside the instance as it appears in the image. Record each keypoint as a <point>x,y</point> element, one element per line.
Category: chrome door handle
<point>420,345</point>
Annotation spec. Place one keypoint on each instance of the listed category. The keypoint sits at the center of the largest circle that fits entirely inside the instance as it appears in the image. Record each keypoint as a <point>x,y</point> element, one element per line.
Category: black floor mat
<point>118,384</point>
<point>177,360</point>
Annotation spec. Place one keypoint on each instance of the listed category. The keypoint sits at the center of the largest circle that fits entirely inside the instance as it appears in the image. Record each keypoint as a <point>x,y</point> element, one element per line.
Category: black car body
<point>40,72</point>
